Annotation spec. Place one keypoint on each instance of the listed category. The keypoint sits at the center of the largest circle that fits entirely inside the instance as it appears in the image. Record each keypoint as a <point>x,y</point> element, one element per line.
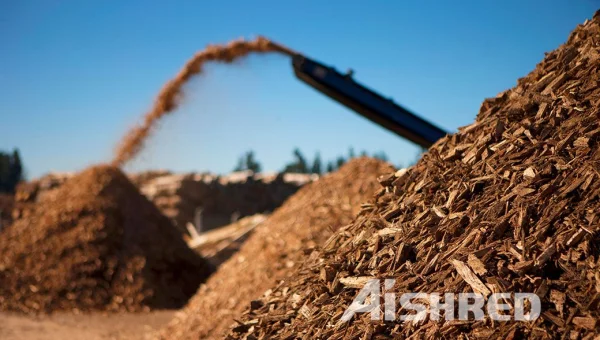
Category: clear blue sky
<point>74,75</point>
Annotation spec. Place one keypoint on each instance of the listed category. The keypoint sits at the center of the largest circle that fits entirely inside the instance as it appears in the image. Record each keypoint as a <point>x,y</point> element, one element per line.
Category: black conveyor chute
<point>371,105</point>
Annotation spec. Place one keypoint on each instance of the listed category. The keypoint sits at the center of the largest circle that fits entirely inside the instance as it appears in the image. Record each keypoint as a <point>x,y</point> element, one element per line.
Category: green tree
<point>4,172</point>
<point>317,166</point>
<point>299,165</point>
<point>11,171</point>
<point>330,167</point>
<point>248,162</point>
<point>252,163</point>
<point>339,162</point>
<point>351,153</point>
<point>16,168</point>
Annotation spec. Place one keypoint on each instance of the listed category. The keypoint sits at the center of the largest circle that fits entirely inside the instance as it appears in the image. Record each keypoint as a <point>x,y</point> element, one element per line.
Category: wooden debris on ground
<point>217,245</point>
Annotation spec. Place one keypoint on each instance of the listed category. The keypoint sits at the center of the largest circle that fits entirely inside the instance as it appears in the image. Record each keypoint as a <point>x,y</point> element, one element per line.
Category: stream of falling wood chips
<point>170,96</point>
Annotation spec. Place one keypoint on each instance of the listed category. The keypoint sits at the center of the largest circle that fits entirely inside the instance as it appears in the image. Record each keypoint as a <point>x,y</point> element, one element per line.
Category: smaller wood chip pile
<point>97,244</point>
<point>510,203</point>
<point>275,247</point>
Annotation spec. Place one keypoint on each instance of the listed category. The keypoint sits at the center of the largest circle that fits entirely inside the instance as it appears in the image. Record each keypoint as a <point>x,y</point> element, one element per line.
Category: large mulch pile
<point>276,247</point>
<point>97,244</point>
<point>510,203</point>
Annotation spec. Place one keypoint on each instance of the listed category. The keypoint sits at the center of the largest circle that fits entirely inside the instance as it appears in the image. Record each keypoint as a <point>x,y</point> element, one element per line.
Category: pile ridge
<point>269,255</point>
<point>97,244</point>
<point>510,203</point>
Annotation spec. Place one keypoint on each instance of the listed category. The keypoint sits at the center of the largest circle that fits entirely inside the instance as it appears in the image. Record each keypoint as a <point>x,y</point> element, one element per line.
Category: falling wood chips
<point>510,203</point>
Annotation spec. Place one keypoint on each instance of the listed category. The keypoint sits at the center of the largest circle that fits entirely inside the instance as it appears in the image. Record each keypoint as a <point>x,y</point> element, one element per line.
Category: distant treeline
<point>300,164</point>
<point>11,171</point>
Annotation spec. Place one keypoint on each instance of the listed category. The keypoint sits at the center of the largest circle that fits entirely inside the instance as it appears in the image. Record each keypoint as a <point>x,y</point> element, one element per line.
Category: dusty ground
<point>126,326</point>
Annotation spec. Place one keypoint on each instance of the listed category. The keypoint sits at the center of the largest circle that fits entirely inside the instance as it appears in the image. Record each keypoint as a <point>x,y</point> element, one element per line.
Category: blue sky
<point>75,75</point>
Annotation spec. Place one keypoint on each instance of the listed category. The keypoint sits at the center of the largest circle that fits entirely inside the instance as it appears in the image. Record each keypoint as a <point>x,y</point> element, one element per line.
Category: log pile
<point>218,245</point>
<point>276,247</point>
<point>220,197</point>
<point>96,244</point>
<point>139,179</point>
<point>510,203</point>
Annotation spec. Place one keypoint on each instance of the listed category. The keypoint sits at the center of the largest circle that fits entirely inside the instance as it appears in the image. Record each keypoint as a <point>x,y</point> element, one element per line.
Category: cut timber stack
<point>96,244</point>
<point>141,178</point>
<point>510,203</point>
<point>217,245</point>
<point>275,247</point>
<point>220,197</point>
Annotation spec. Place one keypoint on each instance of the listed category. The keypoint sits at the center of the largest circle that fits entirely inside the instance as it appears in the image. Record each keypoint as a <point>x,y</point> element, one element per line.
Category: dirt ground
<point>97,326</point>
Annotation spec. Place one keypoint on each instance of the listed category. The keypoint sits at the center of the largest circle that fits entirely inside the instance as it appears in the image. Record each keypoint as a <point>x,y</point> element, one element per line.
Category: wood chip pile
<point>97,244</point>
<point>276,247</point>
<point>510,203</point>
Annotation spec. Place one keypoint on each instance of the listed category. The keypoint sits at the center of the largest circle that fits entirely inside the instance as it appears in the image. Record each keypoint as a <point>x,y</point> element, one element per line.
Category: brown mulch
<point>97,244</point>
<point>510,203</point>
<point>276,246</point>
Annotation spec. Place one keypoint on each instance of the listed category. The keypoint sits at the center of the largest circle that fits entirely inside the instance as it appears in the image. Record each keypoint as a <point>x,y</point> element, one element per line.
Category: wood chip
<point>465,272</point>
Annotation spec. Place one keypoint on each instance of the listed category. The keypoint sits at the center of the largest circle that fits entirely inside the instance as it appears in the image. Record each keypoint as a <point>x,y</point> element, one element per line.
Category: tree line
<point>11,171</point>
<point>301,164</point>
